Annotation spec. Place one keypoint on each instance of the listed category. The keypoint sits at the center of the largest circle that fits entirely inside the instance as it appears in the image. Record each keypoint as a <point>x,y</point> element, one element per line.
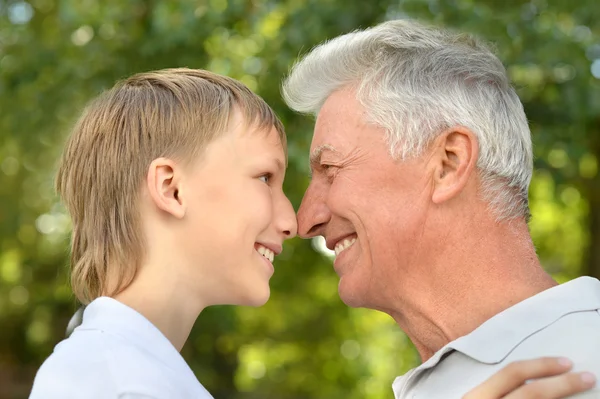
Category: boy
<point>173,180</point>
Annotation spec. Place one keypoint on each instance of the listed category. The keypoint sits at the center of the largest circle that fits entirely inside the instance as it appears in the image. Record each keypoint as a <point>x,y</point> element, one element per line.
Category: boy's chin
<point>254,297</point>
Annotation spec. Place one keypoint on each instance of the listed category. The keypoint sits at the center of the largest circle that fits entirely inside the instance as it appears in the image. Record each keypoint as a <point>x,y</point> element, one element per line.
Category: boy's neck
<point>168,308</point>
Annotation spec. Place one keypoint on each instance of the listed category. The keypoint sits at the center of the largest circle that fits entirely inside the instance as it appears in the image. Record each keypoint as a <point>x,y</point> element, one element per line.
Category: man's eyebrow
<point>315,155</point>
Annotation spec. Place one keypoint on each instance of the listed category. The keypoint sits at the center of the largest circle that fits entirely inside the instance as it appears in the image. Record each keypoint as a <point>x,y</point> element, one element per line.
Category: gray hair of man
<point>415,81</point>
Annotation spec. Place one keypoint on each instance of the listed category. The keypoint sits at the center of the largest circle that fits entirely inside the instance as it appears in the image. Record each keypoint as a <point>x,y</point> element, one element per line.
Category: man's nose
<point>313,214</point>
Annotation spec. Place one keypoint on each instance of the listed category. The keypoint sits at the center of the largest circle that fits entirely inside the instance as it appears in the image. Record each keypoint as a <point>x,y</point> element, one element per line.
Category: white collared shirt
<point>561,321</point>
<point>116,353</point>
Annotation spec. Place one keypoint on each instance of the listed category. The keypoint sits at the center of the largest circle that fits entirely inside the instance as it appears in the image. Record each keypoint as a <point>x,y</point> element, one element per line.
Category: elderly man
<point>421,160</point>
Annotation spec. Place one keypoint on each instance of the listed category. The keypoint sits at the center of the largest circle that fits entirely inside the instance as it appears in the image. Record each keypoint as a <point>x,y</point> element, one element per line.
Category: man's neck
<point>467,284</point>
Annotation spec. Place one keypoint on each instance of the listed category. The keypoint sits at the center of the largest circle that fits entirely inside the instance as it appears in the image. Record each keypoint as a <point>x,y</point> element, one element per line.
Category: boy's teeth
<point>266,252</point>
<point>342,245</point>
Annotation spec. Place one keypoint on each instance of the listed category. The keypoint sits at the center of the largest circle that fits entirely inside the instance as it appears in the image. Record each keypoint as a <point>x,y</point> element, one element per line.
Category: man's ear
<point>164,186</point>
<point>455,154</point>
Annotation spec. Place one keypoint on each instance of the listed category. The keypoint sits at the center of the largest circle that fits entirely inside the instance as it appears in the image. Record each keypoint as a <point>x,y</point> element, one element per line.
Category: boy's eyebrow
<point>315,155</point>
<point>280,165</point>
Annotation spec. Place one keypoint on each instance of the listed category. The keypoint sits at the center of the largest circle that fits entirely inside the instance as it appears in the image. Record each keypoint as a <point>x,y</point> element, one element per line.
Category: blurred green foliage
<point>57,54</point>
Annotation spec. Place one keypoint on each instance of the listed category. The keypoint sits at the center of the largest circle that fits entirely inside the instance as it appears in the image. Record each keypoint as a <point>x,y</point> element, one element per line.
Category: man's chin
<point>351,294</point>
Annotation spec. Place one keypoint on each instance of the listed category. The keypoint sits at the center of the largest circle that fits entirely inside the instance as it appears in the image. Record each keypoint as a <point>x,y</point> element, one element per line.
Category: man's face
<point>369,207</point>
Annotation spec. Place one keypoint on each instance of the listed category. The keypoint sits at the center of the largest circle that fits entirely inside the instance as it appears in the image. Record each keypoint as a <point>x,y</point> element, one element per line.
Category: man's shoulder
<point>575,335</point>
<point>577,323</point>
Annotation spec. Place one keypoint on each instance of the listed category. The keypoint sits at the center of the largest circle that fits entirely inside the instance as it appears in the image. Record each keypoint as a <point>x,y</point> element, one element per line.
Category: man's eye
<point>328,169</point>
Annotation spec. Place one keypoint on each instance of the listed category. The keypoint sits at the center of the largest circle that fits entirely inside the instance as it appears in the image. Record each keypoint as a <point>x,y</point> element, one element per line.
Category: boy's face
<point>237,216</point>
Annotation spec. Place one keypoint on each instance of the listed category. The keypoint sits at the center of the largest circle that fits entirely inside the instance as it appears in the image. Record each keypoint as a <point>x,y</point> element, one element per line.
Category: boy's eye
<point>266,177</point>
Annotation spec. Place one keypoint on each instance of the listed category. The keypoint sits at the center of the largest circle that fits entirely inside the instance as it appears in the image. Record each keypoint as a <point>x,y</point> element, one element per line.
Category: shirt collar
<point>111,316</point>
<point>493,341</point>
<point>512,326</point>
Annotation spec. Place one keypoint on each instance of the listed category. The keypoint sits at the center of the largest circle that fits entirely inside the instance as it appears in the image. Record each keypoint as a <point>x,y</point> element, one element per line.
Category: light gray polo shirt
<point>116,353</point>
<point>561,321</point>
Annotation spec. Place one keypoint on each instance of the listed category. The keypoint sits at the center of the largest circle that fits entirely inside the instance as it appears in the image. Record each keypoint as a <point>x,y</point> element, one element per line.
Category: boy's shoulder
<point>95,364</point>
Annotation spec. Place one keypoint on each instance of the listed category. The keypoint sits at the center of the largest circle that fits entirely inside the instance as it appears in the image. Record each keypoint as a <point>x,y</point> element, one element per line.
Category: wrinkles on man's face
<point>364,193</point>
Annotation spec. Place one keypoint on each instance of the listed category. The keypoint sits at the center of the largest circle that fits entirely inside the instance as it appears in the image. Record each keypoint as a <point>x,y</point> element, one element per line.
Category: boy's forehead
<point>255,126</point>
<point>269,135</point>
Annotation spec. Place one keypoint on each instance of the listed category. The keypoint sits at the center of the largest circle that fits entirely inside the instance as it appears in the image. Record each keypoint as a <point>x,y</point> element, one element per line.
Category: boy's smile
<point>235,207</point>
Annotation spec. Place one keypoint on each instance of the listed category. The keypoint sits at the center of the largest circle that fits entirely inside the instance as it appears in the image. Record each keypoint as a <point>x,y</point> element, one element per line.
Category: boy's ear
<point>164,186</point>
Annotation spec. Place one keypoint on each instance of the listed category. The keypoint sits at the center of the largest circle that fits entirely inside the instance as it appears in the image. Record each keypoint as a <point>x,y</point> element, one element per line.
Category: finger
<point>555,387</point>
<point>516,374</point>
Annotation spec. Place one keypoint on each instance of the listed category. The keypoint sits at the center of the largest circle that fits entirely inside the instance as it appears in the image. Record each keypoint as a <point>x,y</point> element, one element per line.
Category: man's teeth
<point>342,245</point>
<point>266,252</point>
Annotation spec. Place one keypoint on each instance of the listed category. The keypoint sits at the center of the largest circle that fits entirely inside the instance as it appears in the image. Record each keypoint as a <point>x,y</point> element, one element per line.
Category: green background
<point>56,54</point>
